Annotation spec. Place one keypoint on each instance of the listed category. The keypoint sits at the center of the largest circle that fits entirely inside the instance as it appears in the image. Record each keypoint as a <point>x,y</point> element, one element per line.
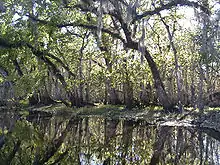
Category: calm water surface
<point>63,140</point>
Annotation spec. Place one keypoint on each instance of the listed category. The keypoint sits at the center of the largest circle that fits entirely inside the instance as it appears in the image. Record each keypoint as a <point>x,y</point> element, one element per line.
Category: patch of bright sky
<point>17,16</point>
<point>19,10</point>
<point>189,20</point>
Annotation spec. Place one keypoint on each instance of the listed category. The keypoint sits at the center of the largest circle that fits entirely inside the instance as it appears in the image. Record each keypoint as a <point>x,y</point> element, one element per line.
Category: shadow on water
<point>39,140</point>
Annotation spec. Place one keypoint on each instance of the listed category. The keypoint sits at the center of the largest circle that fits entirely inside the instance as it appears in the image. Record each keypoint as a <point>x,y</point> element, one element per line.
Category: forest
<point>105,82</point>
<point>119,52</point>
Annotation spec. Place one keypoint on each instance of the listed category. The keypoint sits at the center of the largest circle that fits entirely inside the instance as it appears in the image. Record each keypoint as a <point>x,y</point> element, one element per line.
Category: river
<point>66,140</point>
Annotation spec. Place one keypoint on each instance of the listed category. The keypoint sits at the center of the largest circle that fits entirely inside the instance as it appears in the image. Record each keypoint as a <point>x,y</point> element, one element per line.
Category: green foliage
<point>1,79</point>
<point>66,35</point>
<point>30,138</point>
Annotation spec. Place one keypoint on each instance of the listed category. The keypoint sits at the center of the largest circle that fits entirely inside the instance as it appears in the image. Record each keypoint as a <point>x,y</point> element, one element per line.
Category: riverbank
<point>153,115</point>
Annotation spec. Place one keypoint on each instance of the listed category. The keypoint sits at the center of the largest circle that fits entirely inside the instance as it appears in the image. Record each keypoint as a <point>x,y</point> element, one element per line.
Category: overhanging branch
<point>93,27</point>
<point>75,24</point>
<point>7,45</point>
<point>173,3</point>
<point>41,55</point>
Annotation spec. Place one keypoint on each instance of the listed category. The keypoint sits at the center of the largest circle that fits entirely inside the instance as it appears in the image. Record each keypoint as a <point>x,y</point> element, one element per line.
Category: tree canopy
<point>132,52</point>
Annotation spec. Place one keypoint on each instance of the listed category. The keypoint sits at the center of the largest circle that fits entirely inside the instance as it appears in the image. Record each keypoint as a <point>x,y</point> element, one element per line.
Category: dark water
<point>101,141</point>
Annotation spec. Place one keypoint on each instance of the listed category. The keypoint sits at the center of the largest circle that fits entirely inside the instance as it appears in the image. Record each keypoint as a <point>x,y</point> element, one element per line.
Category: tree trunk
<point>200,101</point>
<point>128,94</point>
<point>177,68</point>
<point>145,93</point>
<point>111,94</point>
<point>113,97</point>
<point>87,85</point>
<point>6,89</point>
<point>80,90</point>
<point>171,86</point>
<point>42,96</point>
<point>186,87</point>
<point>160,90</point>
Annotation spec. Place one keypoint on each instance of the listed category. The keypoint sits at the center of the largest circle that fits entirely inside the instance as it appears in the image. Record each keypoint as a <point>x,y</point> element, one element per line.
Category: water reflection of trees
<point>72,140</point>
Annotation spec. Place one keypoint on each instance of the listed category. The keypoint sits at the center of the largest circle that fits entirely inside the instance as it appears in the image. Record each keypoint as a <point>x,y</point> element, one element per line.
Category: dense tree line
<point>132,52</point>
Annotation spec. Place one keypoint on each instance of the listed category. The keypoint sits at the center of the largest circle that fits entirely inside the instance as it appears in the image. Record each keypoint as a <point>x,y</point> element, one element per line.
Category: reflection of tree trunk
<point>110,135</point>
<point>78,145</point>
<point>179,145</point>
<point>11,156</point>
<point>207,149</point>
<point>212,133</point>
<point>55,144</point>
<point>110,130</point>
<point>201,146</point>
<point>8,123</point>
<point>162,136</point>
<point>86,127</point>
<point>128,127</point>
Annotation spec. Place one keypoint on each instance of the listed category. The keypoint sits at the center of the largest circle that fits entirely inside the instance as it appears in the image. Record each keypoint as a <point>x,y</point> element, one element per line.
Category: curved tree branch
<point>41,54</point>
<point>75,24</point>
<point>93,27</point>
<point>170,5</point>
